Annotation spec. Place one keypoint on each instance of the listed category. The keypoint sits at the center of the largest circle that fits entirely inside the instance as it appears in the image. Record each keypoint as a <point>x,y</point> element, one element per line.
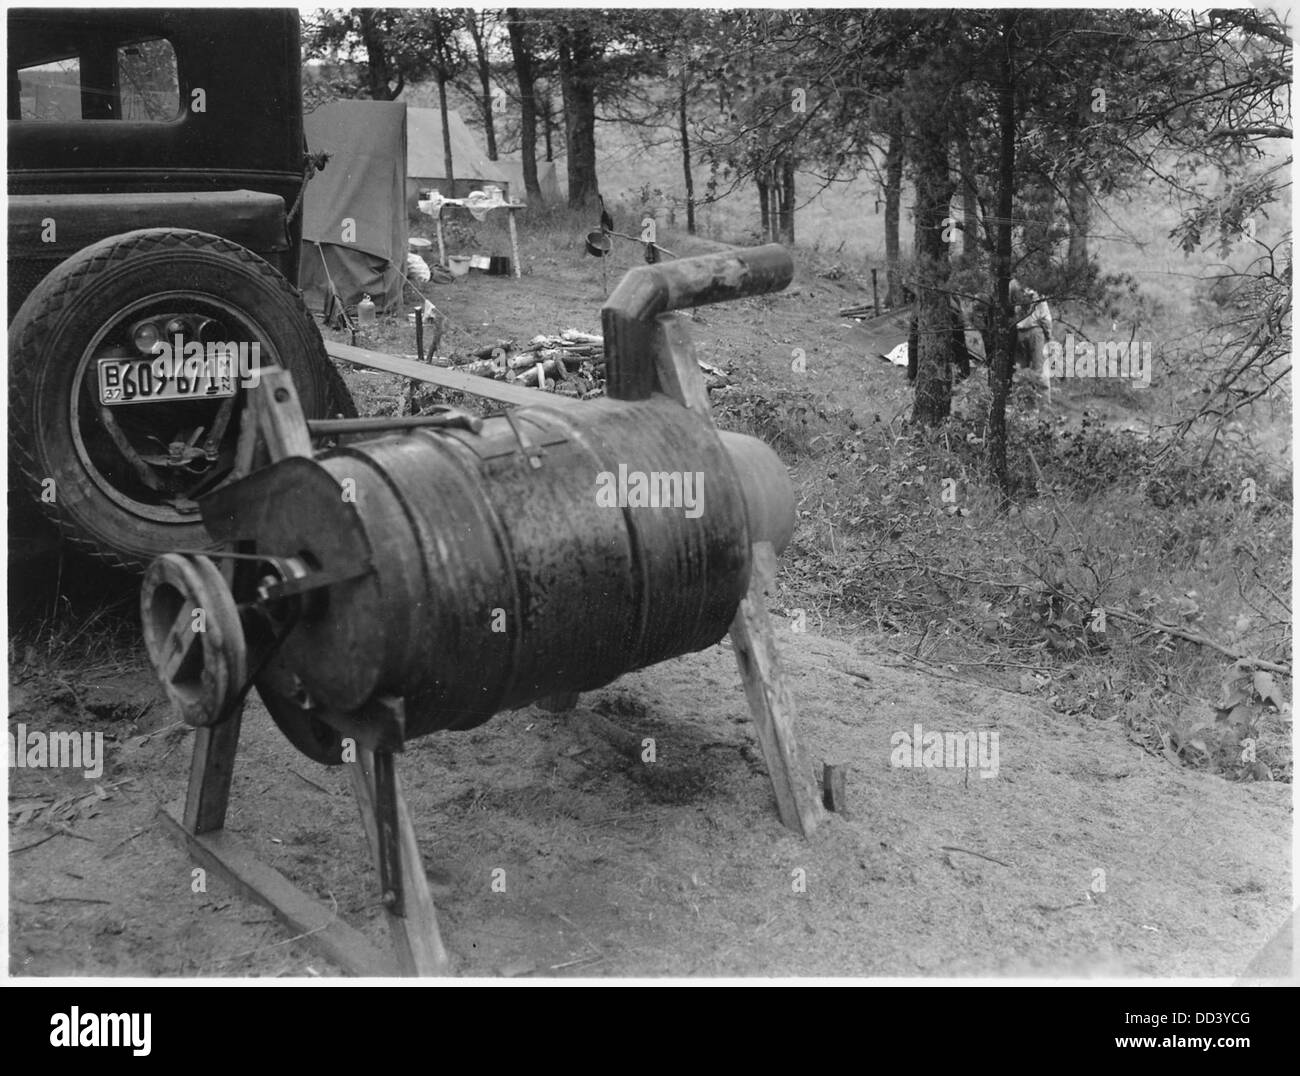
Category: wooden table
<point>512,207</point>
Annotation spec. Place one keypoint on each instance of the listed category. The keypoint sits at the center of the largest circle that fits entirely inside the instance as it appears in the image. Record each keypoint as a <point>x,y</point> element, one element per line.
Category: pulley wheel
<point>291,710</point>
<point>193,636</point>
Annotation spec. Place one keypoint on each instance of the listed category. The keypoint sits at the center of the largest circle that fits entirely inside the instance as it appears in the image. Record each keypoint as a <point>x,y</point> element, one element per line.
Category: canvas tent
<point>513,166</point>
<point>426,162</point>
<point>354,212</point>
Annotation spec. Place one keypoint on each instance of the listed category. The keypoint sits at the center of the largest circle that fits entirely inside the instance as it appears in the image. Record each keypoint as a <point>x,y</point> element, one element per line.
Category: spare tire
<point>119,470</point>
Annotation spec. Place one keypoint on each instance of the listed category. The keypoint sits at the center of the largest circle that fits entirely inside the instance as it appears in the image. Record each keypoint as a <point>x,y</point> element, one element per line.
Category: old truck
<point>156,172</point>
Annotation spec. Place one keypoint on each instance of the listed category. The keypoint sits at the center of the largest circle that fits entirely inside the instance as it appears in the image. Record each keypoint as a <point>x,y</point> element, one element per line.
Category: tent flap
<point>354,215</point>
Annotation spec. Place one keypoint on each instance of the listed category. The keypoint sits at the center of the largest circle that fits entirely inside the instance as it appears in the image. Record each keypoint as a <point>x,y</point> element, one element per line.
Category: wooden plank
<point>417,940</point>
<point>212,765</point>
<point>677,369</point>
<point>231,859</point>
<point>273,425</point>
<point>451,379</point>
<point>770,702</point>
<point>280,421</point>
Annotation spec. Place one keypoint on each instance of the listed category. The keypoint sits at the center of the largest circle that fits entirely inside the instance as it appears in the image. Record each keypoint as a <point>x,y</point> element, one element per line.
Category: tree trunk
<point>893,197</point>
<point>378,68</point>
<point>446,135</point>
<point>764,207</point>
<point>545,112</point>
<point>523,60</point>
<point>1002,320</point>
<point>1076,258</point>
<point>934,188</point>
<point>970,236</point>
<point>485,80</point>
<point>577,55</point>
<point>684,132</point>
<point>787,201</point>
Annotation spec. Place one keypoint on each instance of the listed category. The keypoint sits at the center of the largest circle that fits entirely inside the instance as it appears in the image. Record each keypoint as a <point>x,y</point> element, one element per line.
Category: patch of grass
<point>70,617</point>
<point>796,423</point>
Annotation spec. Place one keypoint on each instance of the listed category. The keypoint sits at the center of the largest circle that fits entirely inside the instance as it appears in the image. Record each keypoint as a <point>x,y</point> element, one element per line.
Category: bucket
<point>598,244</point>
<point>458,264</point>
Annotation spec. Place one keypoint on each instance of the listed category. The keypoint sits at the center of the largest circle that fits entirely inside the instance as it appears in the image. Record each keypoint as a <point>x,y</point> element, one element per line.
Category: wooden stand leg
<point>412,919</point>
<point>274,427</point>
<point>514,246</point>
<point>198,827</point>
<point>212,767</point>
<point>442,250</point>
<point>770,702</point>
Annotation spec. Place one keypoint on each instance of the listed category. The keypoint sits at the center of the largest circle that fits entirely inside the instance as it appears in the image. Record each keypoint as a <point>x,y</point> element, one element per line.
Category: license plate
<point>133,381</point>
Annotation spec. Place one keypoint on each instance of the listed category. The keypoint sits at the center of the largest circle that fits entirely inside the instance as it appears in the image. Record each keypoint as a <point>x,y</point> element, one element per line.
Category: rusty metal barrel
<point>540,552</point>
<point>496,581</point>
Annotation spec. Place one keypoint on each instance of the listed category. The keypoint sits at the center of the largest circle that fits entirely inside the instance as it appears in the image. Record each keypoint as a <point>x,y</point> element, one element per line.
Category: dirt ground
<point>1084,856</point>
<point>616,867</point>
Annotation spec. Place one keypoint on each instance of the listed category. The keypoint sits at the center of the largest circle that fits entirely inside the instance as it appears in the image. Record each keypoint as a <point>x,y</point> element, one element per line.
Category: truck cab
<point>156,172</point>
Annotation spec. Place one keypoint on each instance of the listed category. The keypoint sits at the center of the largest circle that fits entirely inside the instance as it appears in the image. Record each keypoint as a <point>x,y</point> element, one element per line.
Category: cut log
<point>834,797</point>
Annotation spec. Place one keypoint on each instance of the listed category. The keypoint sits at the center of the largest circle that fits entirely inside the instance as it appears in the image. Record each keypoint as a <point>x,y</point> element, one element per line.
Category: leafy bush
<point>794,422</point>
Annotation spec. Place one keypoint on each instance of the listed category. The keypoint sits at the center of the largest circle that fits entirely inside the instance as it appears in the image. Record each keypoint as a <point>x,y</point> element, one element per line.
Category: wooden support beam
<point>677,371</point>
<point>229,858</point>
<point>514,243</point>
<point>212,766</point>
<point>770,702</point>
<point>273,425</point>
<point>500,391</point>
<point>417,941</point>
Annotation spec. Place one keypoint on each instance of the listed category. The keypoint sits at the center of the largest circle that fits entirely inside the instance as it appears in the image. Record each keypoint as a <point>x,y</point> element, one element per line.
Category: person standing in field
<point>1033,331</point>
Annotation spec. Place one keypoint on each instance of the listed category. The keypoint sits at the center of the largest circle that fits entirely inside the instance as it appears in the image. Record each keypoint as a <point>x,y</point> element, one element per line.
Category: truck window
<point>147,79</point>
<point>51,92</point>
<point>135,81</point>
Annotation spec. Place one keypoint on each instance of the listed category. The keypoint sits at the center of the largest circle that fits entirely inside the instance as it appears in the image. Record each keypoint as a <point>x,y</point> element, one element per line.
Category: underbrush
<point>69,616</point>
<point>1122,582</point>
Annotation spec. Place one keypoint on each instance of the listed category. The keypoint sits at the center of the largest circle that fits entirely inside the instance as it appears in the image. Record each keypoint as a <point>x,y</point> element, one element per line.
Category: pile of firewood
<point>572,363</point>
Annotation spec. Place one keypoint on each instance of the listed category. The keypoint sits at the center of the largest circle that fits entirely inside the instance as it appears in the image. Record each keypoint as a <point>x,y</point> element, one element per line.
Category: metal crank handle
<point>324,427</point>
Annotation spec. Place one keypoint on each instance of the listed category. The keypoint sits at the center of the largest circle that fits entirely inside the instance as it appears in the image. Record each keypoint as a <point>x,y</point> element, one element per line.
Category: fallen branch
<point>1201,640</point>
<point>967,851</point>
<point>25,847</point>
<point>74,900</point>
<point>301,777</point>
<point>1124,614</point>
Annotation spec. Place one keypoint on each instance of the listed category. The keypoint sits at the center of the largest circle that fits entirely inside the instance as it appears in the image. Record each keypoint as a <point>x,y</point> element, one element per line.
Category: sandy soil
<point>1083,856</point>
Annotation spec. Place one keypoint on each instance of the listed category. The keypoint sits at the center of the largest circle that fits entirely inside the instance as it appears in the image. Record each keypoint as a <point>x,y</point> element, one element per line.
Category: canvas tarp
<point>426,161</point>
<point>354,212</point>
<point>513,166</point>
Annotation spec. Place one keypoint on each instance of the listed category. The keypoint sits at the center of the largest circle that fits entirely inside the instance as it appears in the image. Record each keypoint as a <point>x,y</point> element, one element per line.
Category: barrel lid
<point>296,508</point>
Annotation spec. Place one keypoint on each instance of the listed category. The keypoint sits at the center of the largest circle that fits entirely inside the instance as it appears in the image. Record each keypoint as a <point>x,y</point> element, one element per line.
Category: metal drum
<point>504,568</point>
<point>430,578</point>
